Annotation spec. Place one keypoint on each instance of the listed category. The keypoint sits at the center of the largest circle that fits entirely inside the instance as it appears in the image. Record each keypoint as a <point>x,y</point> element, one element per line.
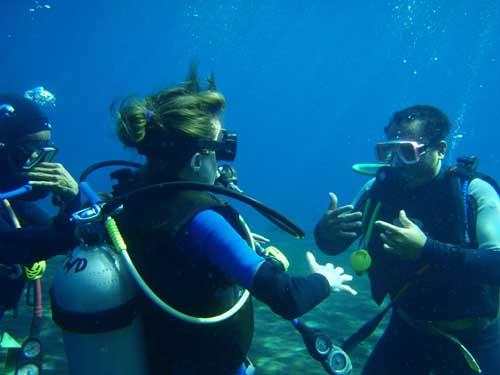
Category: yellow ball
<point>360,261</point>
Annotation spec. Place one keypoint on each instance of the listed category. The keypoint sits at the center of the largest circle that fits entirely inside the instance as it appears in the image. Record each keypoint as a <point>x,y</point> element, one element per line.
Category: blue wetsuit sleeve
<point>208,235</point>
<point>482,264</point>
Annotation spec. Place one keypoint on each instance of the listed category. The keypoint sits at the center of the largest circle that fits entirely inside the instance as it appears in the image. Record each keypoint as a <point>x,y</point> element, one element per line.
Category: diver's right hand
<point>339,222</point>
<point>335,275</point>
<point>55,178</point>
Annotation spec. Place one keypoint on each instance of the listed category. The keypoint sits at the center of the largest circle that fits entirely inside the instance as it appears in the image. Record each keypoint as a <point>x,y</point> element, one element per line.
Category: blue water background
<point>309,84</point>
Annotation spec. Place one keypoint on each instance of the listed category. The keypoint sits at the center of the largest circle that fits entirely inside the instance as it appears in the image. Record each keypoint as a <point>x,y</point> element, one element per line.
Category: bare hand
<point>54,177</point>
<point>406,242</point>
<point>340,222</point>
<point>335,275</point>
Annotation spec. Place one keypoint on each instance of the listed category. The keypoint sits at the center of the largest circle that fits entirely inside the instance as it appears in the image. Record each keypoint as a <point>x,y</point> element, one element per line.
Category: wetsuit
<point>404,349</point>
<point>189,248</point>
<point>462,285</point>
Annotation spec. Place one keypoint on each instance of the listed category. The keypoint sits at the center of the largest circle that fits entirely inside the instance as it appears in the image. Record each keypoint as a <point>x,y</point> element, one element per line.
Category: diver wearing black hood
<point>25,162</point>
<point>191,247</point>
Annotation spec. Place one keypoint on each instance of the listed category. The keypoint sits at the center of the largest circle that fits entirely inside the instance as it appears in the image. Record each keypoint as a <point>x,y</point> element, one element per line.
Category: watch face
<point>338,362</point>
<point>31,349</point>
<point>28,369</point>
<point>322,345</point>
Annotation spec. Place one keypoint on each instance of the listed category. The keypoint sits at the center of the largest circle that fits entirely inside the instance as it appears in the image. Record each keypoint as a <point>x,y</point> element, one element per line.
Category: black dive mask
<point>27,155</point>
<point>21,158</point>
<point>225,149</point>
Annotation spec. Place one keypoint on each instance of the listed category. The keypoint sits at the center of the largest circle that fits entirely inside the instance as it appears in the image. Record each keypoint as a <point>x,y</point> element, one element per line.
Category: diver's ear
<point>195,162</point>
<point>442,148</point>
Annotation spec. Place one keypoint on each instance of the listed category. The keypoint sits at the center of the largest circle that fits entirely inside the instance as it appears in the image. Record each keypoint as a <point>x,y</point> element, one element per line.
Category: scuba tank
<point>95,302</point>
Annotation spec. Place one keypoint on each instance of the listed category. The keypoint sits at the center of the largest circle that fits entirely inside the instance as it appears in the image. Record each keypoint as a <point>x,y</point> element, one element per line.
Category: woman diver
<point>189,246</point>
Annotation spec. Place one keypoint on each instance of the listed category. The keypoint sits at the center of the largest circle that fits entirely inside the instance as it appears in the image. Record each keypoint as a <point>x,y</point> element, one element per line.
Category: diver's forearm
<point>288,296</point>
<point>479,266</point>
<point>28,245</point>
<point>329,245</point>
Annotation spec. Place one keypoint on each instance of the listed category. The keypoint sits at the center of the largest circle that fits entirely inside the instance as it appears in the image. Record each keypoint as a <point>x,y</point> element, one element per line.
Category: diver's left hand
<point>406,242</point>
<point>335,275</point>
<point>54,177</point>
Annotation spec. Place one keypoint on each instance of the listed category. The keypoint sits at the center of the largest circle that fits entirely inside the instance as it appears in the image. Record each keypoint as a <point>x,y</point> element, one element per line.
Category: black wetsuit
<point>459,285</point>
<point>462,283</point>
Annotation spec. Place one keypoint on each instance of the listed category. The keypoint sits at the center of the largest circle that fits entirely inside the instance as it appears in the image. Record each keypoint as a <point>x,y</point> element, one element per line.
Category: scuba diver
<point>188,246</point>
<point>429,236</point>
<point>28,234</point>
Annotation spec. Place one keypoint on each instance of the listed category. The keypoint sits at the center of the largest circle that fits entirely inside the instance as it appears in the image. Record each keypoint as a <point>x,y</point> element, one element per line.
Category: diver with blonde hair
<point>190,246</point>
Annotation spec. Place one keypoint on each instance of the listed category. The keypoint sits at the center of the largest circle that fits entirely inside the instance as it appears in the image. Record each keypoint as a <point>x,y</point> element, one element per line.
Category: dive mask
<point>225,148</point>
<point>28,155</point>
<point>408,152</point>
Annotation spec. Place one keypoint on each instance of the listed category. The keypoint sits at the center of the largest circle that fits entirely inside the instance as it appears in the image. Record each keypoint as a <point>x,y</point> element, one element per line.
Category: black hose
<point>275,217</point>
<point>108,163</point>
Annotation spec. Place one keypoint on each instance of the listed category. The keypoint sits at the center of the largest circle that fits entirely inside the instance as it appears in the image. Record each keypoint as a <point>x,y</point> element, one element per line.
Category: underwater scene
<point>392,106</point>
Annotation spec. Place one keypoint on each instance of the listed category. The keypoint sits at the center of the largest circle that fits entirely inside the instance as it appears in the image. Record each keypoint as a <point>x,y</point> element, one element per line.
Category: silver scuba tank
<point>94,301</point>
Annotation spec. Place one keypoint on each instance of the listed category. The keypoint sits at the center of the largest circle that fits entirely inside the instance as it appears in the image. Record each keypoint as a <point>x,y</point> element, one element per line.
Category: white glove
<point>335,275</point>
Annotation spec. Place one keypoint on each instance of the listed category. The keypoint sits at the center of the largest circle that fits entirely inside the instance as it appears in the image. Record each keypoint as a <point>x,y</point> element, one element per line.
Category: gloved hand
<point>335,275</point>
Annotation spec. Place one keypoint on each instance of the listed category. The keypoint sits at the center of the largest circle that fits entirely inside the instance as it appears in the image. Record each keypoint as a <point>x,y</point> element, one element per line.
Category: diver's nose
<point>396,161</point>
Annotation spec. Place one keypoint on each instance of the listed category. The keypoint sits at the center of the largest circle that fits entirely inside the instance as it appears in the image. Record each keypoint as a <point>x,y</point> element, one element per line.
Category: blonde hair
<point>173,109</point>
<point>183,111</point>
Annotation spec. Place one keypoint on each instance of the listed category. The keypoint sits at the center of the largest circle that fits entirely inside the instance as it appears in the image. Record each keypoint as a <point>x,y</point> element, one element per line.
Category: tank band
<point>94,322</point>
